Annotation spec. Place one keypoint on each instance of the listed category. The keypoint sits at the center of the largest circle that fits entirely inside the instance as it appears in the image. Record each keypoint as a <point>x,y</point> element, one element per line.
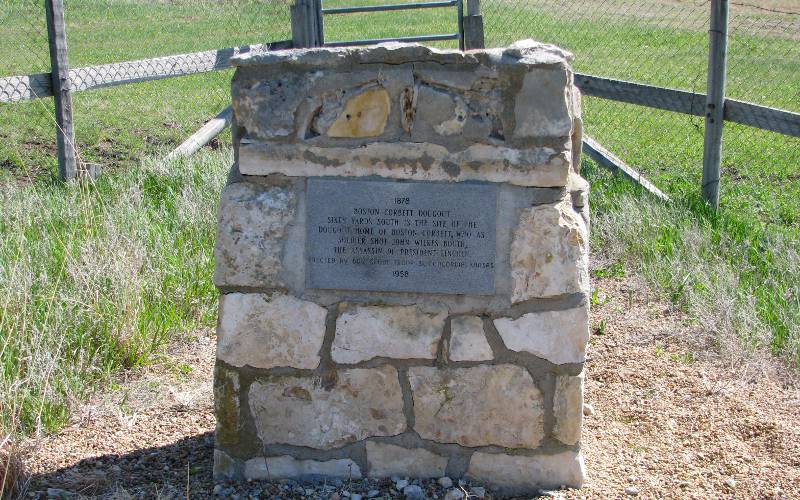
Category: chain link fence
<point>665,43</point>
<point>658,42</point>
<point>118,125</point>
<point>27,140</point>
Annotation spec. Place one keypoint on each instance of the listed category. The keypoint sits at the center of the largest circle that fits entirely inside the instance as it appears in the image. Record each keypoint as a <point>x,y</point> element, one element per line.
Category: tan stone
<point>386,460</point>
<point>299,411</point>
<point>467,340</point>
<point>516,474</point>
<point>568,408</point>
<point>252,226</point>
<point>541,167</point>
<point>286,467</point>
<point>557,336</point>
<point>364,115</point>
<point>393,332</point>
<point>266,331</point>
<point>549,253</point>
<point>478,406</point>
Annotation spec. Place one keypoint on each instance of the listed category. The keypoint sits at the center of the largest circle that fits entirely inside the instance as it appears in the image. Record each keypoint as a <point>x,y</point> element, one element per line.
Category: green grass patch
<point>97,277</point>
<point>740,280</point>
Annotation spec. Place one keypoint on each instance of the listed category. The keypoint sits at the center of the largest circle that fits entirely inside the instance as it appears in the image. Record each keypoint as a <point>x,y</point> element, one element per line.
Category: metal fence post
<point>715,101</point>
<point>59,68</point>
<point>307,23</point>
<point>473,26</point>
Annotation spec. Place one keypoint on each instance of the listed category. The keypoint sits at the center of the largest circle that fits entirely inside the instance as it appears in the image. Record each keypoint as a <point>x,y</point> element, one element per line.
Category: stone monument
<point>402,260</point>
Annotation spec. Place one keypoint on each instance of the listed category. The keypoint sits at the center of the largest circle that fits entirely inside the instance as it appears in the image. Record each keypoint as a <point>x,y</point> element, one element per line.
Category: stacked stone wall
<point>347,383</point>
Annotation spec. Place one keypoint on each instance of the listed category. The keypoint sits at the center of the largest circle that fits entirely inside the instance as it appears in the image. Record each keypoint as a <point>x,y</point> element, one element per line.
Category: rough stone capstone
<point>549,253</point>
<point>557,336</point>
<point>300,411</point>
<point>545,109</point>
<point>568,408</point>
<point>364,333</point>
<point>387,460</point>
<point>467,340</point>
<point>463,405</point>
<point>266,331</point>
<point>252,226</point>
<point>512,474</point>
<point>285,467</point>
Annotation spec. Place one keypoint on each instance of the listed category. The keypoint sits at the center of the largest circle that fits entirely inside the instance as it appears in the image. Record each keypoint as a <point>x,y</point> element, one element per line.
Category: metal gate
<point>308,26</point>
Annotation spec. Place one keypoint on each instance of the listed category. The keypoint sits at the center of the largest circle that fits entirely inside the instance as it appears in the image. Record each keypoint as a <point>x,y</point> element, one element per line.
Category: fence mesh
<point>657,42</point>
<point>761,169</point>
<point>665,43</point>
<point>119,125</point>
<point>27,127</point>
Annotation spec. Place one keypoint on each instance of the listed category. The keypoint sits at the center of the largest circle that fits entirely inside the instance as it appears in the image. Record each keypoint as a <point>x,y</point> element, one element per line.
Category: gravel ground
<point>666,418</point>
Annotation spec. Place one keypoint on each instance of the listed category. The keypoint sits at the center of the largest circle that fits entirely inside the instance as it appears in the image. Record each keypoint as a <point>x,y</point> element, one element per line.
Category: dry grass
<point>97,277</point>
<point>12,471</point>
<point>740,283</point>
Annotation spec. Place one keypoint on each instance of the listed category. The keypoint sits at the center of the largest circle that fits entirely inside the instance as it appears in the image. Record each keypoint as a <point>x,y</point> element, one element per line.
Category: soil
<point>671,419</point>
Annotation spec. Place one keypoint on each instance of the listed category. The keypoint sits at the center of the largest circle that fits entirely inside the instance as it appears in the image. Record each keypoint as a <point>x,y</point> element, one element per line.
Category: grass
<point>97,277</point>
<point>739,280</point>
<point>94,278</point>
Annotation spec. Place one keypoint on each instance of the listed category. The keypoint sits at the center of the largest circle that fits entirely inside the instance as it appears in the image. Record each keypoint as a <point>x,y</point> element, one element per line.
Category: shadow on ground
<point>156,472</point>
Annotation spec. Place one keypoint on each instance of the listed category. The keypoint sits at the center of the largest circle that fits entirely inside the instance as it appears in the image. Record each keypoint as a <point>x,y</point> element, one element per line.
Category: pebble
<point>479,492</point>
<point>400,484</point>
<point>588,409</point>
<point>454,494</point>
<point>413,492</point>
<point>217,489</point>
<point>373,493</point>
<point>632,491</point>
<point>445,482</point>
<point>730,483</point>
<point>355,496</point>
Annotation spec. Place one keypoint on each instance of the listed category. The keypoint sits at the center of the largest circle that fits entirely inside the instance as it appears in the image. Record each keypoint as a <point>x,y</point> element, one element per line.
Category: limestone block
<point>226,405</point>
<point>557,336</point>
<point>393,332</point>
<point>568,408</point>
<point>252,226</point>
<point>542,107</point>
<point>225,467</point>
<point>464,406</point>
<point>299,411</point>
<point>537,166</point>
<point>364,115</point>
<point>549,253</point>
<point>386,460</point>
<point>267,107</point>
<point>286,467</point>
<point>526,475</point>
<point>266,331</point>
<point>467,340</point>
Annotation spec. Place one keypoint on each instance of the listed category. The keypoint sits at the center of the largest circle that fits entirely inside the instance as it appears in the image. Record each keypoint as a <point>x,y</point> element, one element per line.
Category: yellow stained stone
<point>363,116</point>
